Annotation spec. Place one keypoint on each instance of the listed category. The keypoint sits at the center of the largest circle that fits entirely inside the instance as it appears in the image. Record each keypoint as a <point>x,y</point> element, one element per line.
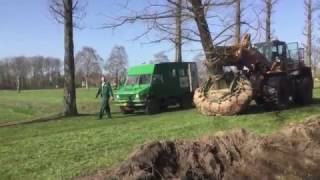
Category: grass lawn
<point>68,147</point>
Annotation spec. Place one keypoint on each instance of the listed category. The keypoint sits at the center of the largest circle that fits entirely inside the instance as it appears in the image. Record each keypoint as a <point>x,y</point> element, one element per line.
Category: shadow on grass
<point>252,109</point>
<point>255,109</point>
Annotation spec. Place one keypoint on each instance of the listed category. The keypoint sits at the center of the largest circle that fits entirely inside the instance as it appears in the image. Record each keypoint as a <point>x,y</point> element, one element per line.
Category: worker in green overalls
<point>105,91</point>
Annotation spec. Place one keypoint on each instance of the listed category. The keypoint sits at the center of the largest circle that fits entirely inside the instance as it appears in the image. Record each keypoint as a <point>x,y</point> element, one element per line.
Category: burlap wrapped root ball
<point>213,102</point>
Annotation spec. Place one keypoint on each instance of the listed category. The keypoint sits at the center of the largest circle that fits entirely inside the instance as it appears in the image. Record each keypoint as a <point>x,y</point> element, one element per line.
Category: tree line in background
<point>40,72</point>
<point>30,73</point>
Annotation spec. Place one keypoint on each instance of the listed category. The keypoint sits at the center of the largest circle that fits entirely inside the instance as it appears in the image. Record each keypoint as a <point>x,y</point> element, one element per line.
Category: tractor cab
<point>282,56</point>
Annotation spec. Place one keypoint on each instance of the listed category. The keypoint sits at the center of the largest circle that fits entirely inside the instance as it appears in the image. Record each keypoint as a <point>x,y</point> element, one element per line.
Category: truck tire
<point>125,110</point>
<point>303,90</point>
<point>152,106</point>
<point>186,102</point>
<point>276,92</point>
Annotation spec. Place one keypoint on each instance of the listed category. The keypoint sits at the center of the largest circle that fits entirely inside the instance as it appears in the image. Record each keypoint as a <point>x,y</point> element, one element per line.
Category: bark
<point>178,40</point>
<point>309,32</point>
<point>87,85</point>
<point>18,84</point>
<point>212,63</point>
<point>238,22</point>
<point>268,19</point>
<point>70,107</point>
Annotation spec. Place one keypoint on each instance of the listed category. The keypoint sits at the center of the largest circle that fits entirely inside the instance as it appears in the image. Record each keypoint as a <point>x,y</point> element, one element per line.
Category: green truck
<point>154,87</point>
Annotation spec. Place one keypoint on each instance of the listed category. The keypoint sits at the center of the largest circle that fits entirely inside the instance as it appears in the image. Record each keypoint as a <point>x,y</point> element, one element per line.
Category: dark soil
<point>292,153</point>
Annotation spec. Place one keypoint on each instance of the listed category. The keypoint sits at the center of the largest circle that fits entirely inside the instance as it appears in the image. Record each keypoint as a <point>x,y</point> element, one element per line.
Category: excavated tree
<point>222,94</point>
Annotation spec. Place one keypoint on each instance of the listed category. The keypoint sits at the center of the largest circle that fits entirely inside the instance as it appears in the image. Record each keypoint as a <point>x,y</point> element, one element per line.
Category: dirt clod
<point>292,153</point>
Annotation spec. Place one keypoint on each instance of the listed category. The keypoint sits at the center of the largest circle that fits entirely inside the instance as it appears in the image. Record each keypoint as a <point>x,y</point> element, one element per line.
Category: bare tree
<point>87,61</point>
<point>116,65</point>
<point>309,11</point>
<point>29,72</point>
<point>238,21</point>
<point>159,57</point>
<point>64,11</point>
<point>167,17</point>
<point>178,40</point>
<point>269,5</point>
<point>206,39</point>
<point>315,60</point>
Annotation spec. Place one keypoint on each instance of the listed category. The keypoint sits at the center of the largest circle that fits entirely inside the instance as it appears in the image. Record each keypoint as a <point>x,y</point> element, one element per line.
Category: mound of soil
<point>292,153</point>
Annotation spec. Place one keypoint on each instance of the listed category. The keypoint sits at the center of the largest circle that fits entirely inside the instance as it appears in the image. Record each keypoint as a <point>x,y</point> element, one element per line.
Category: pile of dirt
<point>292,153</point>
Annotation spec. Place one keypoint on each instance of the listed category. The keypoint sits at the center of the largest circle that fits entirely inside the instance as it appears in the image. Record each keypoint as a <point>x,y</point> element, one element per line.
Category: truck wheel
<point>126,110</point>
<point>186,102</point>
<point>303,90</point>
<point>152,106</point>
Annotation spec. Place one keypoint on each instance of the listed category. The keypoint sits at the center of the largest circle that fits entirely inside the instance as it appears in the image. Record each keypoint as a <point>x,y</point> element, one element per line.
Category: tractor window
<point>293,52</point>
<point>145,79</point>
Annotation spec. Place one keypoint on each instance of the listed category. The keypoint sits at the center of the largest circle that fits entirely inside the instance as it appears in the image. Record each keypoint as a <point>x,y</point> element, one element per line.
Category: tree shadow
<point>255,109</point>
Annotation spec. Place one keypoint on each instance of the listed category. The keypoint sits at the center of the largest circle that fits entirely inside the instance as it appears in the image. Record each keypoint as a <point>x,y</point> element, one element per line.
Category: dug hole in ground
<point>291,153</point>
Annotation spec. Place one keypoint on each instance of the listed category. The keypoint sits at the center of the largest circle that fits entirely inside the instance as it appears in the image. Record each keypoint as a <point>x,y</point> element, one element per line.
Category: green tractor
<point>154,87</point>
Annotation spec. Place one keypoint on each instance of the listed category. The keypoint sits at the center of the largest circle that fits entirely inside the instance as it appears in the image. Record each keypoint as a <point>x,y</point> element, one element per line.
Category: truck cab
<point>154,87</point>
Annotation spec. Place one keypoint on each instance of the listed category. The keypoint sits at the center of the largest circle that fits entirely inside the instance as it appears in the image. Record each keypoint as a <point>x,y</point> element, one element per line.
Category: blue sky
<point>28,29</point>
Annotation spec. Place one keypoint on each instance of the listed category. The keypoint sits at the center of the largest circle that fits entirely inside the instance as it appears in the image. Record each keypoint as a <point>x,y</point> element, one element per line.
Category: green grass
<point>38,103</point>
<point>68,147</point>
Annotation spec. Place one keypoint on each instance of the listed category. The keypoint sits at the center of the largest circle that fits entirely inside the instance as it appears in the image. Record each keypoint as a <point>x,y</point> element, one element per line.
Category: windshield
<point>139,79</point>
<point>145,79</point>
<point>131,80</point>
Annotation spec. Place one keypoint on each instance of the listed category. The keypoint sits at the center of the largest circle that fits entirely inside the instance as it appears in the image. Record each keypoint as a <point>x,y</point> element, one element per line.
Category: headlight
<point>137,96</point>
<point>117,96</point>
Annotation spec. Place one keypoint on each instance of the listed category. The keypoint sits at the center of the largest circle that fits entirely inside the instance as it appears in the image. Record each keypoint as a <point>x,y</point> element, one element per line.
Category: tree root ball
<point>233,101</point>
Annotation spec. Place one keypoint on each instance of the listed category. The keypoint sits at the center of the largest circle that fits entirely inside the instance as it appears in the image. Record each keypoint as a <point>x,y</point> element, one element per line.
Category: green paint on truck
<point>142,69</point>
<point>154,87</point>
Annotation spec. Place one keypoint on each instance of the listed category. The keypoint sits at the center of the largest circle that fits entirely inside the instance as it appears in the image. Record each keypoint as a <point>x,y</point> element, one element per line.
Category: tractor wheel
<point>126,110</point>
<point>152,106</point>
<point>276,93</point>
<point>230,101</point>
<point>303,90</point>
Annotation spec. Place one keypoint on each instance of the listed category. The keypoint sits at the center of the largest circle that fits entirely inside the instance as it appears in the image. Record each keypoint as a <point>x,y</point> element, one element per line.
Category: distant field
<point>68,147</point>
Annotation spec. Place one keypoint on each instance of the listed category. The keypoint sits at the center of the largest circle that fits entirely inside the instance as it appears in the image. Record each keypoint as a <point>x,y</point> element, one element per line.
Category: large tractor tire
<point>303,90</point>
<point>230,101</point>
<point>276,92</point>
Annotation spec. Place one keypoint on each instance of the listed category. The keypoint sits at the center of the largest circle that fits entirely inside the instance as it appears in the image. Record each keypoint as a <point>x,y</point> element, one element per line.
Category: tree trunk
<point>309,33</point>
<point>268,19</point>
<point>70,107</point>
<point>238,22</point>
<point>178,40</point>
<point>18,84</point>
<point>213,64</point>
<point>87,85</point>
